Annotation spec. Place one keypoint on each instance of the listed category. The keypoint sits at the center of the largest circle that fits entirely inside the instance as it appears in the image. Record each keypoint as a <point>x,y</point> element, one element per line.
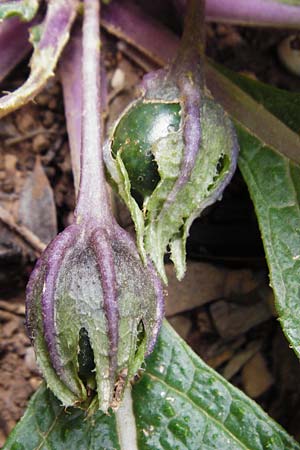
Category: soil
<point>225,253</point>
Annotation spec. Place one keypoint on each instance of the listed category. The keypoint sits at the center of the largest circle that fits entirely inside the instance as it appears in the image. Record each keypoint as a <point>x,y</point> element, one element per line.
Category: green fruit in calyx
<point>173,151</point>
<point>141,127</point>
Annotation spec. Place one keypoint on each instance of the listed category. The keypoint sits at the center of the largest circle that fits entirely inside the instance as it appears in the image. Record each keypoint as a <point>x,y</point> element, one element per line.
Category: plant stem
<point>255,12</point>
<point>126,422</point>
<point>188,73</point>
<point>70,77</point>
<point>189,61</point>
<point>92,197</point>
<point>192,45</point>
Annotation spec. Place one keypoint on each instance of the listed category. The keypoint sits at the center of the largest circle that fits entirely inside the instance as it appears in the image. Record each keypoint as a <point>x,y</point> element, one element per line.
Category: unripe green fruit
<point>144,124</point>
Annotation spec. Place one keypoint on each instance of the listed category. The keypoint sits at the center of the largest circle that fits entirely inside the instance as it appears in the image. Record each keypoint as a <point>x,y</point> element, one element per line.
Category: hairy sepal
<point>161,224</point>
<point>93,280</point>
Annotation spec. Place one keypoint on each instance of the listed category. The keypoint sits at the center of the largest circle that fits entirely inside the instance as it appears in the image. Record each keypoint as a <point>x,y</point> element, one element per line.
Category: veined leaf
<point>178,403</point>
<point>24,9</point>
<point>274,184</point>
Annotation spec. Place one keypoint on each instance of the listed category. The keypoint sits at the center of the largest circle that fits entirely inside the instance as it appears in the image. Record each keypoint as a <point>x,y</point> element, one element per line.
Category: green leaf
<point>47,47</point>
<point>24,9</point>
<point>178,403</point>
<point>258,113</point>
<point>274,184</point>
<point>289,2</point>
<point>47,425</point>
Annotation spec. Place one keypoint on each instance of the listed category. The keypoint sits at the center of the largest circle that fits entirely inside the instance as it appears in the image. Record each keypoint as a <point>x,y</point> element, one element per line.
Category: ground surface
<point>223,308</point>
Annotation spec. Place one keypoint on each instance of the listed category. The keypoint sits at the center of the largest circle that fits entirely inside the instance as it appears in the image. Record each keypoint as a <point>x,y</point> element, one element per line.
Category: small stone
<point>30,359</point>
<point>118,79</point>
<point>40,143</point>
<point>26,122</point>
<point>48,119</point>
<point>35,382</point>
<point>10,162</point>
<point>256,377</point>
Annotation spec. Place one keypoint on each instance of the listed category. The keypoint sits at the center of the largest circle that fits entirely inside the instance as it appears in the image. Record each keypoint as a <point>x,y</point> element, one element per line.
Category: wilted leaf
<point>37,208</point>
<point>48,45</point>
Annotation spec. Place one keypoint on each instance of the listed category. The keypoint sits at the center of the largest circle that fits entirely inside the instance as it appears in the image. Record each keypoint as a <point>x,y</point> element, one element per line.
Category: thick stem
<point>254,12</point>
<point>188,73</point>
<point>92,197</point>
<point>192,45</point>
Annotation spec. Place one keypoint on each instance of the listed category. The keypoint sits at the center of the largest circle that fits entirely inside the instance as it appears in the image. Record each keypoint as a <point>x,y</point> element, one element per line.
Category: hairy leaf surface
<point>178,403</point>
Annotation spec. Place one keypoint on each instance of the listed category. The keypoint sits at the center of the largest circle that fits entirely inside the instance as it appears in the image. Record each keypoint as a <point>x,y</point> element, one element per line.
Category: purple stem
<point>188,72</point>
<point>248,12</point>
<point>130,23</point>
<point>70,75</point>
<point>254,12</point>
<point>14,45</point>
<point>118,15</point>
<point>192,44</point>
<point>92,196</point>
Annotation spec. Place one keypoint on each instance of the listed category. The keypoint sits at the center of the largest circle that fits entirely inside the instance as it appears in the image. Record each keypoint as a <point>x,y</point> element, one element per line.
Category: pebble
<point>40,142</point>
<point>26,122</point>
<point>48,118</point>
<point>118,79</point>
<point>289,53</point>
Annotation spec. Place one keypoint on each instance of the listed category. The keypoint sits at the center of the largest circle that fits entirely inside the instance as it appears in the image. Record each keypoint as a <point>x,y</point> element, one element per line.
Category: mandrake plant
<point>95,298</point>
